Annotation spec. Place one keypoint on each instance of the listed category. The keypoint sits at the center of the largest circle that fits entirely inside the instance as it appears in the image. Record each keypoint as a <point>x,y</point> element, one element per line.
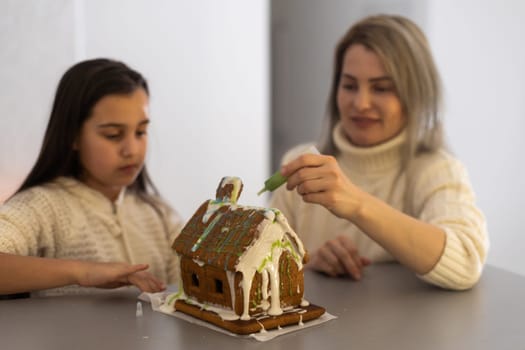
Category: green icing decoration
<point>206,232</point>
<point>174,297</point>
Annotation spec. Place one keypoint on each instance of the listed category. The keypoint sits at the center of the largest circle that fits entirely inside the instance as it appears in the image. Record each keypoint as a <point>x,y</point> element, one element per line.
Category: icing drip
<point>231,281</point>
<point>264,303</point>
<point>198,262</point>
<point>275,302</point>
<point>263,256</point>
<point>225,314</point>
<point>262,327</point>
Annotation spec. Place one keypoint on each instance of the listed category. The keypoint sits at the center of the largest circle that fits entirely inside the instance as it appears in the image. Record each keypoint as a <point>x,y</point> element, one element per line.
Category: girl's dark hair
<point>79,89</point>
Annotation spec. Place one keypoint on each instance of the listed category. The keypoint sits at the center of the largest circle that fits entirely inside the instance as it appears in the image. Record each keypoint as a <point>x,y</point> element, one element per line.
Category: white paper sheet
<point>157,300</point>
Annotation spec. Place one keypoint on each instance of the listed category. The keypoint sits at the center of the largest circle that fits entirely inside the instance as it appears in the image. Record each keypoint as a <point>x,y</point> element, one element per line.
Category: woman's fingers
<point>305,160</point>
<point>347,257</point>
<point>306,168</point>
<point>365,261</point>
<point>339,257</point>
<point>329,261</point>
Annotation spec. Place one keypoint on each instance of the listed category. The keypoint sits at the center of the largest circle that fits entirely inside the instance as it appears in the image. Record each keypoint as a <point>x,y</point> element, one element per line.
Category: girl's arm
<point>28,273</point>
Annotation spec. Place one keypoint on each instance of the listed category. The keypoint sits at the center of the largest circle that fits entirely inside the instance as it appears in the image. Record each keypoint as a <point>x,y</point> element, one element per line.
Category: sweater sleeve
<point>26,224</point>
<point>443,196</point>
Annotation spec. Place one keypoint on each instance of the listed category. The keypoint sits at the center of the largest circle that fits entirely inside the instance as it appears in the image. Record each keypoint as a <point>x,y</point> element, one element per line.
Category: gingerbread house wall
<point>206,283</point>
<point>291,286</point>
<point>209,284</point>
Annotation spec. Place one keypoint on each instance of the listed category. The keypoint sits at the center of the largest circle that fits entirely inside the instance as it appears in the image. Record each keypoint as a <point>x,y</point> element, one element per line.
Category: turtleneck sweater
<point>436,190</point>
<point>66,219</point>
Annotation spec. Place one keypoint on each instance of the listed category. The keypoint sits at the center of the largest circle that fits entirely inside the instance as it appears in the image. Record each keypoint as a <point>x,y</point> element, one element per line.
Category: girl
<point>88,215</point>
<point>386,187</point>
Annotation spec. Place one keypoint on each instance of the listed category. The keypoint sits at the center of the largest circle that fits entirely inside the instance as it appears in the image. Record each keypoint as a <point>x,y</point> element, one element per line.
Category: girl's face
<point>112,142</point>
<point>369,107</point>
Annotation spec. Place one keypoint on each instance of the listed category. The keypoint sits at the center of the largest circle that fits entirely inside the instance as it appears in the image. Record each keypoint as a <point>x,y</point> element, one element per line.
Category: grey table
<point>389,309</point>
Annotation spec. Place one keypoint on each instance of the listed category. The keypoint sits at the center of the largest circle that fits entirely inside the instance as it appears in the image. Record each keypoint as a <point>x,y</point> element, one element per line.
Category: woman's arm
<point>27,273</point>
<point>336,257</point>
<point>418,244</point>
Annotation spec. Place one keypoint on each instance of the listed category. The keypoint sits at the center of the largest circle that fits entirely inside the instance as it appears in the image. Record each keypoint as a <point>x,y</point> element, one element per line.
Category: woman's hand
<point>114,275</point>
<point>319,179</point>
<point>339,257</point>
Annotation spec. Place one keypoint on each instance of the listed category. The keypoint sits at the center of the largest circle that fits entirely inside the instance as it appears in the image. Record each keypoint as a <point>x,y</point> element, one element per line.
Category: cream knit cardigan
<point>440,194</point>
<point>69,220</point>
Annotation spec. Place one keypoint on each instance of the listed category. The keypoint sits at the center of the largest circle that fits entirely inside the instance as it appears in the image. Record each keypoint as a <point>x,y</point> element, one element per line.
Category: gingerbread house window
<point>194,279</point>
<point>218,286</point>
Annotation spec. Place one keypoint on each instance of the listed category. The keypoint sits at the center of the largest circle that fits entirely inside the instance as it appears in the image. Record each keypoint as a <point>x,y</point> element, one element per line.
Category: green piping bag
<point>277,179</point>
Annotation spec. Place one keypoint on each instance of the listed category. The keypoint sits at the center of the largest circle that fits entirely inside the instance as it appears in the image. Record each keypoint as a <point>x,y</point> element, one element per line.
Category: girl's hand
<point>339,257</point>
<point>114,275</point>
<point>319,179</point>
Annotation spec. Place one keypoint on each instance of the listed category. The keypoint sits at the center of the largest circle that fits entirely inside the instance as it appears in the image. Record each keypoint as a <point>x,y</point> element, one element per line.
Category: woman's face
<point>369,107</point>
<point>112,142</point>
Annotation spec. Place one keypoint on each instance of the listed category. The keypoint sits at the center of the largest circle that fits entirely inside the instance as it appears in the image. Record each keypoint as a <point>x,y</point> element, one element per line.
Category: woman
<point>385,188</point>
<point>87,214</point>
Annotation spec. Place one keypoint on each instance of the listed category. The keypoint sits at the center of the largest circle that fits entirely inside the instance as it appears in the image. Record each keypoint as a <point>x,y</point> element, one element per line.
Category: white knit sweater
<point>439,193</point>
<point>69,220</point>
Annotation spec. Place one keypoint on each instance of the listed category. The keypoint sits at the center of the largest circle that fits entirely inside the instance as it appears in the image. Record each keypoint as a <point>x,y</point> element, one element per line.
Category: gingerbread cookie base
<point>300,314</point>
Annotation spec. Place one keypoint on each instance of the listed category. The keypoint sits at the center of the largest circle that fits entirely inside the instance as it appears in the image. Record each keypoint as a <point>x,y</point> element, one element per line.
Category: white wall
<point>207,64</point>
<point>479,48</point>
<point>35,49</point>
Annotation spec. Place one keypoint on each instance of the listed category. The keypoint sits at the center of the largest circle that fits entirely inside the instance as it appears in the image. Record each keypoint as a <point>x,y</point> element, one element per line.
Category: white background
<point>207,63</point>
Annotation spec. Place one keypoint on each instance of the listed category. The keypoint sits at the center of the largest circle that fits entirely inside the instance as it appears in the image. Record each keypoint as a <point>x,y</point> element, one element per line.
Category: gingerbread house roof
<point>220,231</point>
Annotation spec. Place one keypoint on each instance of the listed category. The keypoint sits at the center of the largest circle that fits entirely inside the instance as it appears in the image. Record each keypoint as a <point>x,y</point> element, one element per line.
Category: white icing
<point>166,308</point>
<point>269,214</point>
<point>231,281</point>
<point>264,290</point>
<point>221,311</point>
<point>273,271</point>
<point>199,262</point>
<point>263,330</point>
<point>263,256</point>
<point>225,314</point>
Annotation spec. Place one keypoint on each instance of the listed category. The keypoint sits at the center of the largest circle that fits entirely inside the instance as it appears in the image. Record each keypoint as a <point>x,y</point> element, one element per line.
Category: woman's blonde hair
<point>405,53</point>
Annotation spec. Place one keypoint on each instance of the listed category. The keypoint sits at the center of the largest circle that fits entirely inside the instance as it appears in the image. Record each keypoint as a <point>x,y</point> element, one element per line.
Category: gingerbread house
<point>239,262</point>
